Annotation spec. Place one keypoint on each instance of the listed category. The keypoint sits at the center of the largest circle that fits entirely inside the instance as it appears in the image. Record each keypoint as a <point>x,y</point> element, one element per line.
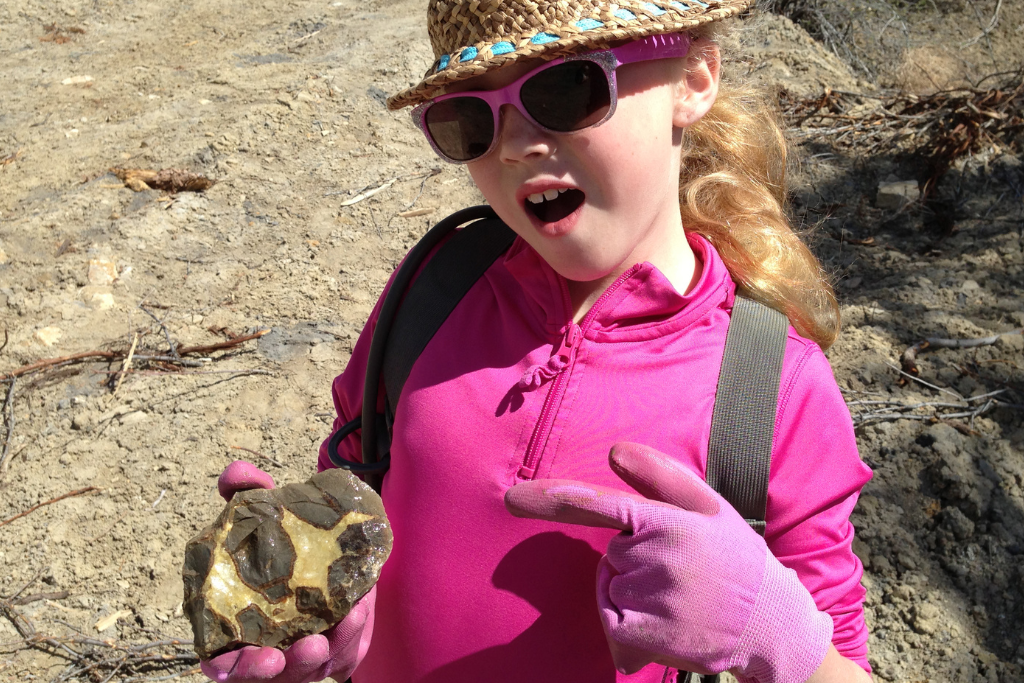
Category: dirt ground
<point>282,104</point>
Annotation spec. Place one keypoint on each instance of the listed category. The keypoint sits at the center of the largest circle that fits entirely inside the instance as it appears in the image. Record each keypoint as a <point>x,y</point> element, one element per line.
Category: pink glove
<point>687,584</point>
<point>242,476</point>
<point>334,653</point>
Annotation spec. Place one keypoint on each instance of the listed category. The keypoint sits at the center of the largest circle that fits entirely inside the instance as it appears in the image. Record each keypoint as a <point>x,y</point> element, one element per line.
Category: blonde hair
<point>732,190</point>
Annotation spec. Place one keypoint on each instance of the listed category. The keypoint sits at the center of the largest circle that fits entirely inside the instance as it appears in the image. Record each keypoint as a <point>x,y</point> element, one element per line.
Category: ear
<point>697,86</point>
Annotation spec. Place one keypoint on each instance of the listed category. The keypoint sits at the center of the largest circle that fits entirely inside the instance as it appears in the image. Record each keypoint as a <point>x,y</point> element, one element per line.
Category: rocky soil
<point>281,103</point>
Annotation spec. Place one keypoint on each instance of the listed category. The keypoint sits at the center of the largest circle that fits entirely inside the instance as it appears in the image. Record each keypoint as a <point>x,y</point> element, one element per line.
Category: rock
<point>897,194</point>
<point>48,336</point>
<point>280,564</point>
<point>102,271</point>
<point>957,523</point>
<point>927,618</point>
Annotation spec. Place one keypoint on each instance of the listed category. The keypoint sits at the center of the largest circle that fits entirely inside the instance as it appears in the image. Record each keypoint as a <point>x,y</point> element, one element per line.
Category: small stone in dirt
<point>280,564</point>
<point>957,523</point>
<point>926,618</point>
<point>897,194</point>
<point>102,271</point>
<point>49,336</point>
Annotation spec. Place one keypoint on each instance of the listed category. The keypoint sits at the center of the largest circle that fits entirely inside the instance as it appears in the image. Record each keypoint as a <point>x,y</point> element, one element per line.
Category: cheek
<point>487,179</point>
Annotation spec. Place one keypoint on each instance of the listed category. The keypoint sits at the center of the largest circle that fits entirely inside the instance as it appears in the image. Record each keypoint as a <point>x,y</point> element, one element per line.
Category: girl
<point>642,198</point>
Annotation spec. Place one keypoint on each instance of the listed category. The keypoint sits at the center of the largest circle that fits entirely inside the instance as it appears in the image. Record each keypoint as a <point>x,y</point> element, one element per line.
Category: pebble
<point>897,194</point>
<point>926,618</point>
<point>49,335</point>
<point>102,271</point>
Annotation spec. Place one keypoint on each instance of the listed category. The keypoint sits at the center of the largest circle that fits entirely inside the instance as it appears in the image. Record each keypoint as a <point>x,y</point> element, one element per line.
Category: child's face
<point>624,174</point>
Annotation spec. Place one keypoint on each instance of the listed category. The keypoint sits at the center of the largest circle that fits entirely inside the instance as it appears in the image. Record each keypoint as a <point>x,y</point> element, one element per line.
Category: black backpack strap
<point>413,310</point>
<point>743,423</point>
<point>445,280</point>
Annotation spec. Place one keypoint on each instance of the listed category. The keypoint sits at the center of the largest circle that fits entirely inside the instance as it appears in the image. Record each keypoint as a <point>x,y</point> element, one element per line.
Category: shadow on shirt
<point>556,575</point>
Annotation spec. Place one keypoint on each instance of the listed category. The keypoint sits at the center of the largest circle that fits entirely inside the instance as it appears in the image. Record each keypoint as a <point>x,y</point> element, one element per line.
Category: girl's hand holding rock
<point>687,584</point>
<point>335,653</point>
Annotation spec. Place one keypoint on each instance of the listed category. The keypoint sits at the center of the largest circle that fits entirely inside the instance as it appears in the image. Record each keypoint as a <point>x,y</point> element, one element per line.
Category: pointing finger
<point>659,477</point>
<point>573,502</point>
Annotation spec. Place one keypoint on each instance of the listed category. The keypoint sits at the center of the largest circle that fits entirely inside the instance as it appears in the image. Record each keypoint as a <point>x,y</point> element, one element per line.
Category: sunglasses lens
<point>461,127</point>
<point>570,96</point>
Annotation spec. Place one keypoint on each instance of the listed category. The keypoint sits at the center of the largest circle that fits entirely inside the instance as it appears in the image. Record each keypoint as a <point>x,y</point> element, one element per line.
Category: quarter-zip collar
<point>643,305</point>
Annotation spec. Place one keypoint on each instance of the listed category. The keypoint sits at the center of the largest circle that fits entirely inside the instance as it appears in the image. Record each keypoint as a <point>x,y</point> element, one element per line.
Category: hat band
<point>504,47</point>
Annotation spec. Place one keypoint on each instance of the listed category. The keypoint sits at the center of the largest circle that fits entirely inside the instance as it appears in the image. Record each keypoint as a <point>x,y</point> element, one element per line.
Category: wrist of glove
<point>687,583</point>
<point>335,653</point>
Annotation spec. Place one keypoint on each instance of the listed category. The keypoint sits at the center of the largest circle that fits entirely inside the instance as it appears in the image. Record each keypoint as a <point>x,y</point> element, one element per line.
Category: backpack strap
<point>743,422</point>
<point>414,309</point>
<point>445,280</point>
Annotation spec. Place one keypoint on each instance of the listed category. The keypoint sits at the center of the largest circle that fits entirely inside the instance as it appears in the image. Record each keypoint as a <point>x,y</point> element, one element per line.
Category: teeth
<point>547,195</point>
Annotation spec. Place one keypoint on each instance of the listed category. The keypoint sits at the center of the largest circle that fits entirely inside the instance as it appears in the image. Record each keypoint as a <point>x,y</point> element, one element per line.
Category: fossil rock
<point>280,564</point>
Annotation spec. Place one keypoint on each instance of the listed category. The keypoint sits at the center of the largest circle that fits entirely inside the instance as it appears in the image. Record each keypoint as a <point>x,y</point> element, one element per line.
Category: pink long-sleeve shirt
<point>471,593</point>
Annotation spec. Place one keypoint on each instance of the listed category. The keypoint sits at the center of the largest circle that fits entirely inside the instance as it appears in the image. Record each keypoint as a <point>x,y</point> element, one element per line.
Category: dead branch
<point>220,346</point>
<point>47,363</point>
<point>9,424</point>
<point>986,30</point>
<point>94,657</point>
<point>942,127</point>
<point>908,359</point>
<point>926,411</point>
<point>163,327</point>
<point>77,492</point>
<point>59,595</point>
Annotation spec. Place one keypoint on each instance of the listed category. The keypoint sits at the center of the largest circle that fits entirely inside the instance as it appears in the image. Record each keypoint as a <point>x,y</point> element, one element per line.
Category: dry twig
<point>47,363</point>
<point>9,159</point>
<point>8,423</point>
<point>70,494</point>
<point>100,660</point>
<point>257,454</point>
<point>127,363</point>
<point>909,357</point>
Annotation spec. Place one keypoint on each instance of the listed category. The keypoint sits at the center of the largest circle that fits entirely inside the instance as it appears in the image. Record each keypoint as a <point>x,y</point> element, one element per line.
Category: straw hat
<point>471,37</point>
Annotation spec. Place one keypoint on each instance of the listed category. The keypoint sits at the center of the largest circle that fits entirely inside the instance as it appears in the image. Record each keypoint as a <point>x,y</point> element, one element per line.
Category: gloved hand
<point>335,653</point>
<point>687,584</point>
<point>242,476</point>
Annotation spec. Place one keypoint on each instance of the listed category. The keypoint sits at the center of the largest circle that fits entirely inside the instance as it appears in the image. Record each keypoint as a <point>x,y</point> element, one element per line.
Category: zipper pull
<point>536,375</point>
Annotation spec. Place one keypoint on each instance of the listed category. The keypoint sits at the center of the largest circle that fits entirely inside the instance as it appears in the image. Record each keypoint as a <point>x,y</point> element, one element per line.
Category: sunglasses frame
<point>665,46</point>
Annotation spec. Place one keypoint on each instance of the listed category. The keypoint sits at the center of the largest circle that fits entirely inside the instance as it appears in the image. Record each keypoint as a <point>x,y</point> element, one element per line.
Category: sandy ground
<point>282,104</point>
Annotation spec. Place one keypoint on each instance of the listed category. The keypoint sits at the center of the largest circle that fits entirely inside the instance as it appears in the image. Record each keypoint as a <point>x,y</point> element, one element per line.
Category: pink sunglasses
<point>565,95</point>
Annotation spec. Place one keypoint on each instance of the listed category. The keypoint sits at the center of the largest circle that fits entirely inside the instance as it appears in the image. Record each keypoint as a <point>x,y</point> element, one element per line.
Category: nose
<point>520,139</point>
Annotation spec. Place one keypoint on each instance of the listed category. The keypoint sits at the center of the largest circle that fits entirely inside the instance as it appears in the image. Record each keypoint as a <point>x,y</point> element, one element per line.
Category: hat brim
<point>479,59</point>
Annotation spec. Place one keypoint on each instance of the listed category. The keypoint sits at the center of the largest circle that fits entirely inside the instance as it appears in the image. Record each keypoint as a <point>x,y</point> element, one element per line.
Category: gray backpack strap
<point>743,423</point>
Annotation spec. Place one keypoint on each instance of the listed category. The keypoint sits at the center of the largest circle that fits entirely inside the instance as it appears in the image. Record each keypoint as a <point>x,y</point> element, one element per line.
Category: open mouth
<point>554,205</point>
